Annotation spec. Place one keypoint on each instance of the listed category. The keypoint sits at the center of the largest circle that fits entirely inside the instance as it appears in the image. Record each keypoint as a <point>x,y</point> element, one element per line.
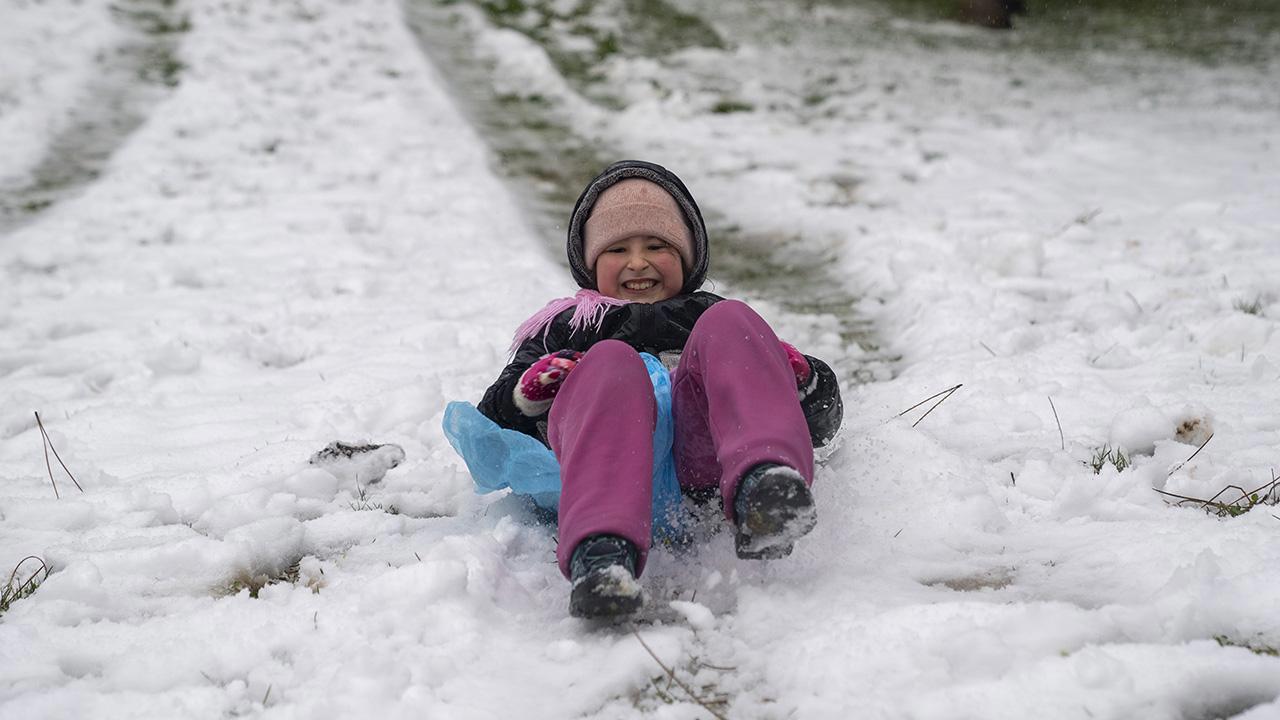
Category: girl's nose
<point>637,261</point>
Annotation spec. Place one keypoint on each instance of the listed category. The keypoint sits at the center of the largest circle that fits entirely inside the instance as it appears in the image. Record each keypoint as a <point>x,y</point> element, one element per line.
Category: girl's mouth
<point>639,285</point>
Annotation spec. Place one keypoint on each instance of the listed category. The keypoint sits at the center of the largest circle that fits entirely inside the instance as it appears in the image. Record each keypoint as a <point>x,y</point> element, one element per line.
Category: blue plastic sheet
<point>499,458</point>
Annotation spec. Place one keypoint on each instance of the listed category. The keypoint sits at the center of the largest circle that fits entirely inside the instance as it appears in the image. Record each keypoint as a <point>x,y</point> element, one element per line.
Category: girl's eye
<point>657,246</point>
<point>616,250</point>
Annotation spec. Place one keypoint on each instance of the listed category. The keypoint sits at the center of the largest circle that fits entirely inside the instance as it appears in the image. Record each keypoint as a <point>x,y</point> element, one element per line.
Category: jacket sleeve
<point>499,404</point>
<point>823,408</point>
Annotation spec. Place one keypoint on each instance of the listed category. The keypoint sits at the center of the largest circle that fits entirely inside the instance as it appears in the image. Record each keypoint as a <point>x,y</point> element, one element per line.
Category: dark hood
<point>658,175</point>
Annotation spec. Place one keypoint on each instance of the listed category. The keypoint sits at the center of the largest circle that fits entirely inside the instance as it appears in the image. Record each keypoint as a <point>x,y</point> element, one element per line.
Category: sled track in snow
<point>133,78</point>
<point>539,153</point>
<point>547,162</point>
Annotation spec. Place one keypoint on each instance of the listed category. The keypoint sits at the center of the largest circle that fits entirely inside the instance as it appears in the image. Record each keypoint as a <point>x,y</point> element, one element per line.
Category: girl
<point>748,409</point>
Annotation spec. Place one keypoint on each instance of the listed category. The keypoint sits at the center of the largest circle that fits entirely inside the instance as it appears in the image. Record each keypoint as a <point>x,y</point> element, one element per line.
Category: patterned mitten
<point>800,366</point>
<point>540,383</point>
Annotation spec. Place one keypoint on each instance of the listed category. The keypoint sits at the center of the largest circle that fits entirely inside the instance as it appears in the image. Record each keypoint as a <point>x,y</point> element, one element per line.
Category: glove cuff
<point>527,407</point>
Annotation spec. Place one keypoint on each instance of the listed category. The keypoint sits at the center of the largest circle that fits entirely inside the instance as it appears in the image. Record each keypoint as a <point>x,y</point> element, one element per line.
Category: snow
<point>306,242</point>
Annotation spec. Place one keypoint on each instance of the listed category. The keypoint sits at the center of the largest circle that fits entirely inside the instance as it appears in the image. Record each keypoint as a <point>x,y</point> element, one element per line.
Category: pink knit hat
<point>635,207</point>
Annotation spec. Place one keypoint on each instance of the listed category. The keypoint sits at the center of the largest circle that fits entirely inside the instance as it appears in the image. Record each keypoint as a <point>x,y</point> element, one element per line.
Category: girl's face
<point>640,269</point>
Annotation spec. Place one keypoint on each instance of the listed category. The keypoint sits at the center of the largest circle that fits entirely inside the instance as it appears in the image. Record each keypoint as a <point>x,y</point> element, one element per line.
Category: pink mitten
<point>799,366</point>
<point>540,383</point>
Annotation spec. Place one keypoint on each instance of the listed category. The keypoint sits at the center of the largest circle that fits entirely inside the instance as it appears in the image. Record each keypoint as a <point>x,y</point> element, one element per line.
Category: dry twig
<point>945,394</point>
<point>1265,494</point>
<point>1178,467</point>
<point>48,445</point>
<point>1061,438</point>
<point>672,675</point>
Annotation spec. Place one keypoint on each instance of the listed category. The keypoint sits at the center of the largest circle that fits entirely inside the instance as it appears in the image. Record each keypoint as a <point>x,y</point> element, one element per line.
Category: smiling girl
<point>748,409</point>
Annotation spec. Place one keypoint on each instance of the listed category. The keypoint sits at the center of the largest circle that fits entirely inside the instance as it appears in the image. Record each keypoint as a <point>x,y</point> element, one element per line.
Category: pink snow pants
<point>734,403</point>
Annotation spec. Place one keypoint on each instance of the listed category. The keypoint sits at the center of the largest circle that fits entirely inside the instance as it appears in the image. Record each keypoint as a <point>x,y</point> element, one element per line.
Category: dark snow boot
<point>774,508</point>
<point>603,572</point>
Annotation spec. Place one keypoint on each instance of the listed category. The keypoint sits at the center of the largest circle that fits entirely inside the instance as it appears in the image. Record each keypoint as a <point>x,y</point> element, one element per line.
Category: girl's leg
<point>601,429</point>
<point>735,403</point>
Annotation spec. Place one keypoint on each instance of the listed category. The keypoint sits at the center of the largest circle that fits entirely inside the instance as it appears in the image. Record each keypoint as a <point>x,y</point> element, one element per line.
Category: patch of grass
<point>505,7</point>
<point>245,579</point>
<point>607,46</point>
<point>34,206</point>
<point>1250,307</point>
<point>362,501</point>
<point>725,107</point>
<point>1267,494</point>
<point>161,66</point>
<point>1255,648</point>
<point>18,588</point>
<point>1107,455</point>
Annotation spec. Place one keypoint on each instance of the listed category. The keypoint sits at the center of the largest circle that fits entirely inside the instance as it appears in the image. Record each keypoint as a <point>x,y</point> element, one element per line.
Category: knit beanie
<point>633,197</point>
<point>635,207</point>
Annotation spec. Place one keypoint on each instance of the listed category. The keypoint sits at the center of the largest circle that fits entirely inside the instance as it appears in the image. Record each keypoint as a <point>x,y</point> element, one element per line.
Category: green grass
<point>22,586</point>
<point>1250,307</point>
<point>1255,648</point>
<point>725,107</point>
<point>1211,33</point>
<point>1107,455</point>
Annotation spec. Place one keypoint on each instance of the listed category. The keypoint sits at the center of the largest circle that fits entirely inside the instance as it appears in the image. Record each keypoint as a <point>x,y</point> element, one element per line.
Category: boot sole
<point>780,511</point>
<point>606,594</point>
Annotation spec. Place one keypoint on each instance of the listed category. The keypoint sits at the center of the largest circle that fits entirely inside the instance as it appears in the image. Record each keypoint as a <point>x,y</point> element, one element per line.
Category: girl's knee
<point>731,316</point>
<point>614,351</point>
<point>730,309</point>
<point>615,357</point>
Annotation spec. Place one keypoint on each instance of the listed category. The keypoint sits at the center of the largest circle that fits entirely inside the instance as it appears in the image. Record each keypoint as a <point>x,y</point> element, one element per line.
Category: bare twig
<point>44,443</point>
<point>1183,498</point>
<point>1248,500</point>
<point>913,407</point>
<point>1178,467</point>
<point>984,347</point>
<point>48,445</point>
<point>945,394</point>
<point>1135,301</point>
<point>1098,357</point>
<point>1061,438</point>
<point>1013,479</point>
<point>672,675</point>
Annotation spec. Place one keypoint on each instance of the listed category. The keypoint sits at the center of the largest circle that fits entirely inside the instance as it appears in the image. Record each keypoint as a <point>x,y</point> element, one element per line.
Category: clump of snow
<point>697,615</point>
<point>1136,429</point>
<point>360,463</point>
<point>305,241</point>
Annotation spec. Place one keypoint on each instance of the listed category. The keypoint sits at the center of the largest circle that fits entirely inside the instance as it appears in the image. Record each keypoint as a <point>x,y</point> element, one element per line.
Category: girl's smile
<point>640,269</point>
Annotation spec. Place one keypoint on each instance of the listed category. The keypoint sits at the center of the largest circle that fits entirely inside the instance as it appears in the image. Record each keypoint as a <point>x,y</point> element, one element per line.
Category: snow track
<point>83,76</point>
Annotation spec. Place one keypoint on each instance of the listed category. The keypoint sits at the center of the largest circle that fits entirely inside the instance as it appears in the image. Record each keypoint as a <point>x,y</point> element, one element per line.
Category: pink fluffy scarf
<point>589,311</point>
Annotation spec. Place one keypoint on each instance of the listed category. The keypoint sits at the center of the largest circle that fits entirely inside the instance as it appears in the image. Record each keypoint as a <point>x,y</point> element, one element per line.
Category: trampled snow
<point>306,242</point>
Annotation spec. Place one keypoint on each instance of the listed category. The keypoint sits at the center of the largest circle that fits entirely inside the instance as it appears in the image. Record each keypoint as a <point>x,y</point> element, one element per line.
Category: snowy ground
<point>306,242</point>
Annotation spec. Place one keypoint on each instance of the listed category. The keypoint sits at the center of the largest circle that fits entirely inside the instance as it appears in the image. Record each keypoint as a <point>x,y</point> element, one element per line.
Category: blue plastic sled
<point>499,458</point>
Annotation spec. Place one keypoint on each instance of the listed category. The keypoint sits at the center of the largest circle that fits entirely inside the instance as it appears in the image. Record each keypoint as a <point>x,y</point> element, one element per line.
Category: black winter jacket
<point>661,329</point>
